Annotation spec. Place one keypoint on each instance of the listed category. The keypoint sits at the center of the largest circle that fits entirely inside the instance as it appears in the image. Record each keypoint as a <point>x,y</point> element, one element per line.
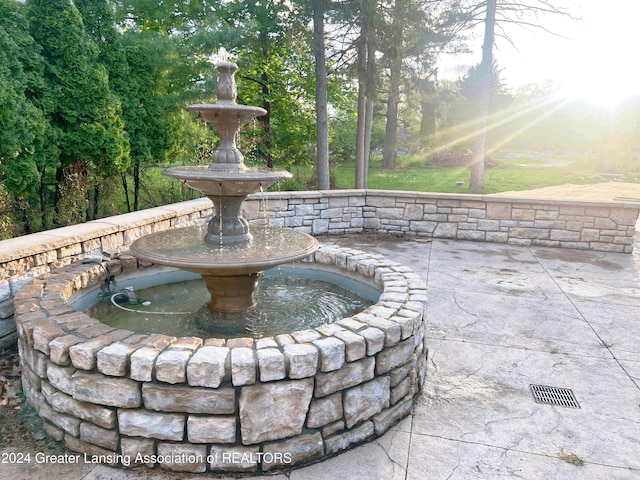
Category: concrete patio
<point>500,318</point>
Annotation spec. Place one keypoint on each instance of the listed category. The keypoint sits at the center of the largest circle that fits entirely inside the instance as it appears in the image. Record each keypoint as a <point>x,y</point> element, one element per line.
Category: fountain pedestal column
<point>233,294</point>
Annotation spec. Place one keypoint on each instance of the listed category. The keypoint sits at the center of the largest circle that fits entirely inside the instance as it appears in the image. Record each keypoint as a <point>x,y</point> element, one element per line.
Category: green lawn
<point>508,175</point>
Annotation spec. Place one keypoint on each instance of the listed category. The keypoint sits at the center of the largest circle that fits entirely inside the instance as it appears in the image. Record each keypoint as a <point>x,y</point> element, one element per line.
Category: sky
<point>596,58</point>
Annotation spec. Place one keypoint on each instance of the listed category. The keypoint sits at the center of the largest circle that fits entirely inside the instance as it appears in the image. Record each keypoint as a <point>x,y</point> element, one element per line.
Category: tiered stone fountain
<point>229,257</point>
<point>250,405</point>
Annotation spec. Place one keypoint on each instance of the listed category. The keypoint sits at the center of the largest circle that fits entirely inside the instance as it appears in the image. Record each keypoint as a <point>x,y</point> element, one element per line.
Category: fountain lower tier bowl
<point>223,180</point>
<point>231,272</point>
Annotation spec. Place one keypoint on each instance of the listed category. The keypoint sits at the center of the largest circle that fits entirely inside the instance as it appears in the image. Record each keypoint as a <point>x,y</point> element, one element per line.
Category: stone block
<point>392,331</point>
<point>271,364</point>
<point>522,214</point>
<point>52,431</point>
<point>290,399</point>
<point>325,410</point>
<point>143,362</point>
<point>243,366</point>
<point>364,401</point>
<point>266,342</point>
<point>99,436</point>
<point>398,374</point>
<point>60,378</point>
<point>210,429</point>
<point>37,361</point>
<point>132,447</point>
<point>446,230</point>
<point>168,398</point>
<point>529,233</point>
<point>171,366</point>
<point>43,333</point>
<point>101,416</point>
<point>67,423</point>
<point>59,348</point>
<point>624,216</point>
<point>243,342</point>
<point>374,338</point>
<point>355,345</point>
<point>186,343</point>
<point>564,235</point>
<point>299,450</point>
<point>387,418</point>
<point>332,353</point>
<point>114,359</point>
<point>348,376</point>
<point>234,459</point>
<point>394,356</point>
<point>142,423</point>
<point>333,428</point>
<point>400,391</point>
<point>183,457</point>
<point>342,441</point>
<point>302,360</point>
<point>103,390</point>
<point>208,366</point>
<point>306,336</point>
<point>92,452</point>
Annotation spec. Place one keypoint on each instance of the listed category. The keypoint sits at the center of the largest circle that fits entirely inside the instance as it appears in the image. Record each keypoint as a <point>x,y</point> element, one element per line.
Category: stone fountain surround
<point>239,405</point>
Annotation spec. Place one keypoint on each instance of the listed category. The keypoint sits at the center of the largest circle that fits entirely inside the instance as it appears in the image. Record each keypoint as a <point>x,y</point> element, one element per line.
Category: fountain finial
<point>227,91</point>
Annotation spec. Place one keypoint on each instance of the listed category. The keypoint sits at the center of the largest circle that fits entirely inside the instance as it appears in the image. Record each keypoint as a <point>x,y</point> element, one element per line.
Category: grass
<point>507,175</point>
<point>412,173</point>
<point>571,458</point>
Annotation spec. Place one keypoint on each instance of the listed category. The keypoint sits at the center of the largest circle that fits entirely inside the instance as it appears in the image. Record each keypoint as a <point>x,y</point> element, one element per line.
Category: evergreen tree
<point>22,124</point>
<point>133,78</point>
<point>83,112</point>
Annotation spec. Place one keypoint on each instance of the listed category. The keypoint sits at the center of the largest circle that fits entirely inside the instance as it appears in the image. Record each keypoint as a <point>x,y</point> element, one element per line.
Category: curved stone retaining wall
<point>604,226</point>
<point>239,405</point>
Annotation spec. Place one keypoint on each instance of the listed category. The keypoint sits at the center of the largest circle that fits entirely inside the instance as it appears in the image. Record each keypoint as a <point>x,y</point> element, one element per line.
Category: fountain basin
<point>173,302</point>
<point>197,405</point>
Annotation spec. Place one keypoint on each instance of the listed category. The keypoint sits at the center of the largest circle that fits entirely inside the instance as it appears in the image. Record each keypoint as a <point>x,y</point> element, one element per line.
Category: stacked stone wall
<point>238,405</point>
<point>601,226</point>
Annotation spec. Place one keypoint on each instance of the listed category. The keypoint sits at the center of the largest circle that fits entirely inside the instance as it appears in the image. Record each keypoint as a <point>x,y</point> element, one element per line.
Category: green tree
<point>22,124</point>
<point>83,112</point>
<point>136,82</point>
<point>498,14</point>
<point>415,33</point>
<point>276,73</point>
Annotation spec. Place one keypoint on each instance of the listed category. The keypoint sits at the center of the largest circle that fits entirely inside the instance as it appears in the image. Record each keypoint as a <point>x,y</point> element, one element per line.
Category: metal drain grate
<point>562,397</point>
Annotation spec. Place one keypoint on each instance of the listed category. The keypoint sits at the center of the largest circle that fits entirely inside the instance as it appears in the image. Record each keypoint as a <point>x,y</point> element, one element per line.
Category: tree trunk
<point>43,198</point>
<point>125,187</point>
<point>57,196</point>
<point>371,94</point>
<point>322,122</point>
<point>476,182</point>
<point>266,121</point>
<point>362,109</point>
<point>427,122</point>
<point>136,186</point>
<point>390,149</point>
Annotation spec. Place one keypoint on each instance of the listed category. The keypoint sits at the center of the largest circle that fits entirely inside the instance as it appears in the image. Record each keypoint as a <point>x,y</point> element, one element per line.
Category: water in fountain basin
<point>289,299</point>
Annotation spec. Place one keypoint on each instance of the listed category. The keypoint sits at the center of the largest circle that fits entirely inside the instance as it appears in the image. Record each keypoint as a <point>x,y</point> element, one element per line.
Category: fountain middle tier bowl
<point>226,113</point>
<point>223,180</point>
<point>184,248</point>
